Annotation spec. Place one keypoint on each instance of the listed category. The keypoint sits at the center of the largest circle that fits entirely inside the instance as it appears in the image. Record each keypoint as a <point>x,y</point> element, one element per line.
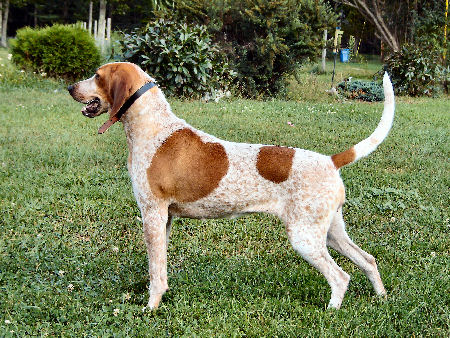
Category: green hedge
<point>59,51</point>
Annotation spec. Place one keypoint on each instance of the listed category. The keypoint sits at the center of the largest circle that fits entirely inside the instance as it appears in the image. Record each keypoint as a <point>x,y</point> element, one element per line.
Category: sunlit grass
<point>73,261</point>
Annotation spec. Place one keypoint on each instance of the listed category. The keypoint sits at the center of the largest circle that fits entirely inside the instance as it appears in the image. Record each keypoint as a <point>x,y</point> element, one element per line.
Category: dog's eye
<point>97,76</point>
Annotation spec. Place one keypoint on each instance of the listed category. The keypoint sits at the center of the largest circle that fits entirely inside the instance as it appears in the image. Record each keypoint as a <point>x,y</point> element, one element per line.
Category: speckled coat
<point>177,170</point>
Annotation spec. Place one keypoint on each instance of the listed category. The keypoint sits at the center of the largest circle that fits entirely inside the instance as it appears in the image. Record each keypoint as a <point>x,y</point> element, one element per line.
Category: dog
<point>179,171</point>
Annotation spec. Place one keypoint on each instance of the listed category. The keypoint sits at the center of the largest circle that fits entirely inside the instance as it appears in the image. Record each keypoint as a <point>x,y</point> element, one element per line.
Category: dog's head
<point>106,91</point>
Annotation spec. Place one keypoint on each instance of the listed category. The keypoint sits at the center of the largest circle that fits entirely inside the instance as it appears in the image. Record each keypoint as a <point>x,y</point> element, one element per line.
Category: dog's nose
<point>70,89</point>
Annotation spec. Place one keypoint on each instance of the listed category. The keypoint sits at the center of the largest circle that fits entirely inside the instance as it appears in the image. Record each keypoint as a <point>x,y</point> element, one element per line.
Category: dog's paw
<point>382,295</point>
<point>332,305</point>
<point>148,308</point>
<point>152,304</point>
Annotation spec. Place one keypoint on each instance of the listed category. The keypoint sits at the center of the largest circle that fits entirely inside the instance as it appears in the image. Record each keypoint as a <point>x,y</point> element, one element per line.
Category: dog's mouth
<point>92,108</point>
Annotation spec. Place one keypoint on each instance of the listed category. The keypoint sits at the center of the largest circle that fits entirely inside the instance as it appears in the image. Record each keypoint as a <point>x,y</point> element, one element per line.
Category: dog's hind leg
<point>310,242</point>
<point>338,239</point>
<point>155,219</point>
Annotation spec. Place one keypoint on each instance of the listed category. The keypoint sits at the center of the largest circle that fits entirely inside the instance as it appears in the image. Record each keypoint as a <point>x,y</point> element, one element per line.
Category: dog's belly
<point>207,209</point>
<point>200,211</point>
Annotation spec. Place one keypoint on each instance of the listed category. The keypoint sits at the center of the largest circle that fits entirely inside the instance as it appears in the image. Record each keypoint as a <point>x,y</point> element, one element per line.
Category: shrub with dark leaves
<point>361,90</point>
<point>416,71</point>
<point>270,39</point>
<point>180,57</point>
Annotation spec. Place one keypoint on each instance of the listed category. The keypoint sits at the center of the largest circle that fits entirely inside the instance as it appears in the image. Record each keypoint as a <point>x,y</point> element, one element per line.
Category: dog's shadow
<point>216,278</point>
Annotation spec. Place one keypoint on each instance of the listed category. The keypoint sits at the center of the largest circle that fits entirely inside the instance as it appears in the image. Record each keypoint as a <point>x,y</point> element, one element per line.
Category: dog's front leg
<point>155,219</point>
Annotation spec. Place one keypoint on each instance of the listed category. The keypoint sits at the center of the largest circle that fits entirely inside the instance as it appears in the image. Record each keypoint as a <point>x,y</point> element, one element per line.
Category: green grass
<point>71,246</point>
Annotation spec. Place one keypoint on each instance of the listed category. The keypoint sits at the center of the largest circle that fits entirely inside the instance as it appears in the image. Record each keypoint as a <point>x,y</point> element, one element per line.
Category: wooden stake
<point>90,18</point>
<point>324,50</point>
<point>108,30</point>
<point>102,25</point>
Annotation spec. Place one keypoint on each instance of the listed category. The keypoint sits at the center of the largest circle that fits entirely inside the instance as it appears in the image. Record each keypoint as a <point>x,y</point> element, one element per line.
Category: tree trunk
<point>372,10</point>
<point>90,17</point>
<point>5,22</point>
<point>102,24</point>
<point>65,10</point>
<point>35,19</point>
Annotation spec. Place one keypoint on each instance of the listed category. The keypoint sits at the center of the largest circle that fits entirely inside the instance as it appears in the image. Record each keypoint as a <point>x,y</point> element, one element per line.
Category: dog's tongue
<point>91,108</point>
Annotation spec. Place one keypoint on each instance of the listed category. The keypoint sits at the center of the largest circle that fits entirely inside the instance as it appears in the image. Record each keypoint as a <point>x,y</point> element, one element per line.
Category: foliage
<point>416,71</point>
<point>59,51</point>
<point>271,38</point>
<point>397,21</point>
<point>181,57</point>
<point>429,26</point>
<point>266,39</point>
<point>370,91</point>
<point>351,48</point>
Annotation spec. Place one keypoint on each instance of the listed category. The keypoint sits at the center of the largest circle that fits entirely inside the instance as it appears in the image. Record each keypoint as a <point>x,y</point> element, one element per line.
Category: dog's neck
<point>149,115</point>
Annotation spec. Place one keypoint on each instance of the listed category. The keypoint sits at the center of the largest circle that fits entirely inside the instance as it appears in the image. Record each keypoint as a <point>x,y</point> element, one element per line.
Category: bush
<point>361,90</point>
<point>180,57</point>
<point>58,51</point>
<point>429,26</point>
<point>265,39</point>
<point>416,71</point>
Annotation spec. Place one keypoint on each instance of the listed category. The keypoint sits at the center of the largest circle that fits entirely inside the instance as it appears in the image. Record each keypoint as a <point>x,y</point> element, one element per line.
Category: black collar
<point>134,97</point>
<point>126,105</point>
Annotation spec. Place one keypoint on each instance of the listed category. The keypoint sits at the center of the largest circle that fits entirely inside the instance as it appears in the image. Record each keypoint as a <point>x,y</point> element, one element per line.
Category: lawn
<point>73,261</point>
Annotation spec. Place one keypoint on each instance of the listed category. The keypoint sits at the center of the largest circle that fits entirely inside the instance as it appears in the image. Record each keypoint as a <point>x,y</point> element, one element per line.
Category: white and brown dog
<point>177,170</point>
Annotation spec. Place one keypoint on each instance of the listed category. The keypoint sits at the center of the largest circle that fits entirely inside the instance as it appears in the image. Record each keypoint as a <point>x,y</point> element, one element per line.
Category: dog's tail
<point>368,145</point>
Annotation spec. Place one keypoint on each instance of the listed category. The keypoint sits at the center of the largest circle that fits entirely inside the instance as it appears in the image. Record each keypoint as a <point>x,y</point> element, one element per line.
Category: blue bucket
<point>345,55</point>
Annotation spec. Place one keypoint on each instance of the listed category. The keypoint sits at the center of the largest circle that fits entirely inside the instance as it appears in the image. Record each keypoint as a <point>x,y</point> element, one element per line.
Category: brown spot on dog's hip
<point>185,168</point>
<point>275,163</point>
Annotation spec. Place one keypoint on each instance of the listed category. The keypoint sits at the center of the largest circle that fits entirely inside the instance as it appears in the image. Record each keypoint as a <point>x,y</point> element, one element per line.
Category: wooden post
<point>90,18</point>
<point>102,25</point>
<point>5,22</point>
<point>324,50</point>
<point>108,30</point>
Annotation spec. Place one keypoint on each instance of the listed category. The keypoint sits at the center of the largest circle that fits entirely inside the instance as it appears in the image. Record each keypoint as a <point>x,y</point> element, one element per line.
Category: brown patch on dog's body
<point>344,158</point>
<point>185,168</point>
<point>275,163</point>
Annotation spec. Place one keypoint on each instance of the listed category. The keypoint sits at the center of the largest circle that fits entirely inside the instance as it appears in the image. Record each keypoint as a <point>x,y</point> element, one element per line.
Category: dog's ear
<point>119,91</point>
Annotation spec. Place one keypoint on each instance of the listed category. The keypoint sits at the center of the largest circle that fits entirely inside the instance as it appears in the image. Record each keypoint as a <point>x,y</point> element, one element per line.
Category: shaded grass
<point>71,247</point>
<point>312,87</point>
